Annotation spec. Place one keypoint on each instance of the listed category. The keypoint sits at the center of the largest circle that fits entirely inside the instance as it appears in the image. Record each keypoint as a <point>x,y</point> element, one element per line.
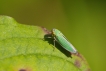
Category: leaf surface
<point>24,48</point>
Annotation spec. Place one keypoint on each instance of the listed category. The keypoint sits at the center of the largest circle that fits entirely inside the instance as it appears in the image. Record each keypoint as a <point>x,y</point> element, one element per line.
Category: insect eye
<point>53,35</point>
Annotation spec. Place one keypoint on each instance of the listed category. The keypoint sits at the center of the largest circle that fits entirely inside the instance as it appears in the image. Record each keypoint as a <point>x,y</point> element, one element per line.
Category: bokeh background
<point>83,22</point>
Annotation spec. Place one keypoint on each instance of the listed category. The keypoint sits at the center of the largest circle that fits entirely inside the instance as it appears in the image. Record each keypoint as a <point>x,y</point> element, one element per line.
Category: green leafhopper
<point>61,39</point>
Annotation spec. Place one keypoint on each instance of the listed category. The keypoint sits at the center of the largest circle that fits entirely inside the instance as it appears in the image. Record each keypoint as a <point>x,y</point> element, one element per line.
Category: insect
<point>61,39</point>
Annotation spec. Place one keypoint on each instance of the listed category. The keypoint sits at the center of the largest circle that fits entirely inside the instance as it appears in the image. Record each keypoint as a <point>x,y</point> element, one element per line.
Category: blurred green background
<point>82,22</point>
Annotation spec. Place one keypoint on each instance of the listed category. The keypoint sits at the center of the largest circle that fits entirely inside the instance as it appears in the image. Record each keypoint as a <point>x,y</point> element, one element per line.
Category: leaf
<point>24,48</point>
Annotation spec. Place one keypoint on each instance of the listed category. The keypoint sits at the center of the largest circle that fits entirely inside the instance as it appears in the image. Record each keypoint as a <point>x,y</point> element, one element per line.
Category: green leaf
<point>24,48</point>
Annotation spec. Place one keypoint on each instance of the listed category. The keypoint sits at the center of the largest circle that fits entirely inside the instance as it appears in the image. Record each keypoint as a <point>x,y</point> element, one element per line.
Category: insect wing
<point>61,39</point>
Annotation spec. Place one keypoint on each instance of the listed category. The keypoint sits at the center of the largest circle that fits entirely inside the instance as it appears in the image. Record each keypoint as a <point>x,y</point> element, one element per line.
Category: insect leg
<point>54,42</point>
<point>49,37</point>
